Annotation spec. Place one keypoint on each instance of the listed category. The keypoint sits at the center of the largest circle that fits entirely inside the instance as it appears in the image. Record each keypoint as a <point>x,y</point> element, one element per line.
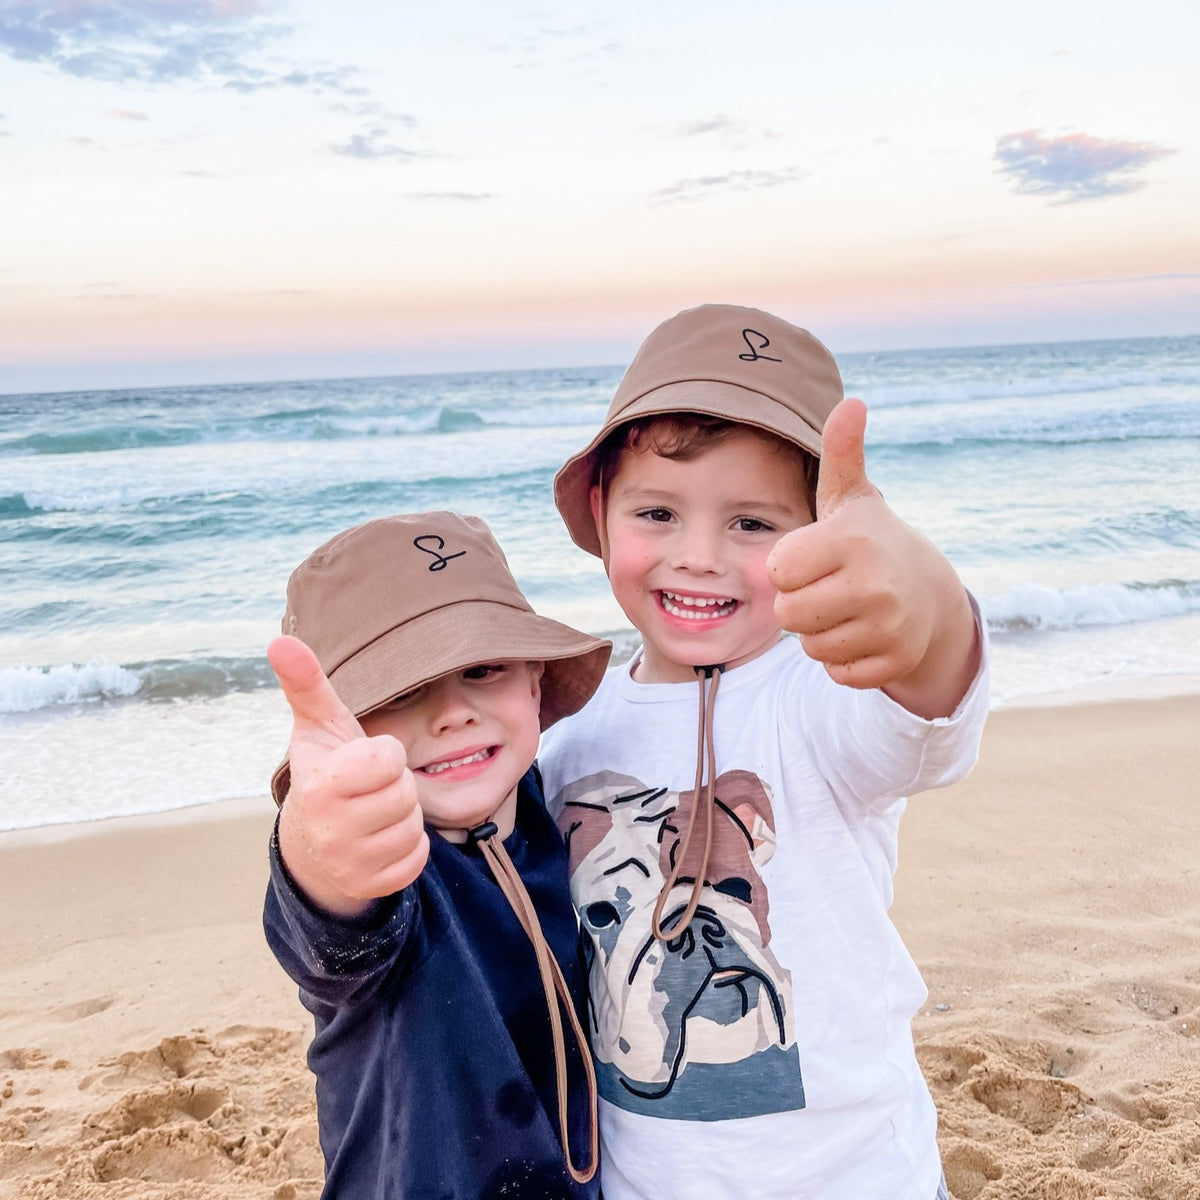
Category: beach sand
<point>150,1046</point>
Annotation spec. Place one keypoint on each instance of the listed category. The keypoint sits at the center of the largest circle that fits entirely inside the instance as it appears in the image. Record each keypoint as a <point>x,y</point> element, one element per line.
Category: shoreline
<point>148,1039</point>
<point>1146,688</point>
<point>1107,691</point>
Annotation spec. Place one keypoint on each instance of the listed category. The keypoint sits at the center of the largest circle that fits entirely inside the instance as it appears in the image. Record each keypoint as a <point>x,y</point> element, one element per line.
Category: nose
<point>450,705</point>
<point>695,548</point>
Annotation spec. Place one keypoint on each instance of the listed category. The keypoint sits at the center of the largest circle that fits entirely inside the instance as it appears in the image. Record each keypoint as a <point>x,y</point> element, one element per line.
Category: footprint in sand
<point>81,1009</point>
<point>166,1155</point>
<point>153,1107</point>
<point>1102,1142</point>
<point>1143,1104</point>
<point>173,1058</point>
<point>969,1168</point>
<point>22,1059</point>
<point>1036,1103</point>
<point>1156,1002</point>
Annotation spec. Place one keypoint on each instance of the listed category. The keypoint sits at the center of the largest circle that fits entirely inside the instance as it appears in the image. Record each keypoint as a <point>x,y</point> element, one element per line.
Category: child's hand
<point>871,598</point>
<point>351,829</point>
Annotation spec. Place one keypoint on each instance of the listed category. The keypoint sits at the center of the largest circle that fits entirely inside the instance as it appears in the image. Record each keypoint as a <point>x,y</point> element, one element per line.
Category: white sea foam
<point>26,689</point>
<point>116,760</point>
<point>1031,606</point>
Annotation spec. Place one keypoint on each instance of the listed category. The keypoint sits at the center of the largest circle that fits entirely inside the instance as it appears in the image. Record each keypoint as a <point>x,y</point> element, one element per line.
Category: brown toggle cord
<point>514,891</point>
<point>705,755</point>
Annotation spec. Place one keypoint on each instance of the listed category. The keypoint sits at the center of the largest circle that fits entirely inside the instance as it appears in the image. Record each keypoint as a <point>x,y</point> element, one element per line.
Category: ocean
<point>146,537</point>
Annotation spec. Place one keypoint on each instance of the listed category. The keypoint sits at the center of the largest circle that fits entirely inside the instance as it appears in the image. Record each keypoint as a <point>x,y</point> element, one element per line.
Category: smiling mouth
<point>449,763</point>
<point>696,608</point>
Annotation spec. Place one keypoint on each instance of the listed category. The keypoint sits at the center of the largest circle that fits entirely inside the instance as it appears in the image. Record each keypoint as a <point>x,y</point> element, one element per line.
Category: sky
<point>234,190</point>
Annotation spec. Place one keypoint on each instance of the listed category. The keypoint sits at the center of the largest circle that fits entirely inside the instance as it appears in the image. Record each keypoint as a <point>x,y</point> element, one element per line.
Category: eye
<point>656,514</point>
<point>601,914</point>
<point>734,886</point>
<point>403,699</point>
<point>753,525</point>
<point>483,671</point>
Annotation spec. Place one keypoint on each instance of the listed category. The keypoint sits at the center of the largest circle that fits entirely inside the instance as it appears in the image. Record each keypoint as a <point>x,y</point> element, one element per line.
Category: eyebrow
<point>649,495</point>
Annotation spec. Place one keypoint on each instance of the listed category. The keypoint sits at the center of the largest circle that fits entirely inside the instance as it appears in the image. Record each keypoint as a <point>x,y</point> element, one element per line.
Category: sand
<point>150,1047</point>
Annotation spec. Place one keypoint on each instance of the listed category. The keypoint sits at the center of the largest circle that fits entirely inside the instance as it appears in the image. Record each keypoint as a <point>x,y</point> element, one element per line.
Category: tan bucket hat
<point>398,601</point>
<point>721,360</point>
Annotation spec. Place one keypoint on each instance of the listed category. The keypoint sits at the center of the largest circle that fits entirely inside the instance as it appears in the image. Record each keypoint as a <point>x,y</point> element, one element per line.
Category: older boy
<point>418,888</point>
<point>751,1000</point>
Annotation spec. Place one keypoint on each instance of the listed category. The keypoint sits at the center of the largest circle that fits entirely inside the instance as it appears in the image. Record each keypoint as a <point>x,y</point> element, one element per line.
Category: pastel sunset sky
<point>213,190</point>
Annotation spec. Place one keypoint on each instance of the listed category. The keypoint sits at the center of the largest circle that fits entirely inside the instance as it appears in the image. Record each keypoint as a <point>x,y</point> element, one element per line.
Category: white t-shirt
<point>766,1051</point>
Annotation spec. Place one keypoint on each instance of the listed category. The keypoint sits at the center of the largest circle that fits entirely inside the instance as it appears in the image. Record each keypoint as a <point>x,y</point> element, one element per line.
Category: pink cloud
<point>1074,166</point>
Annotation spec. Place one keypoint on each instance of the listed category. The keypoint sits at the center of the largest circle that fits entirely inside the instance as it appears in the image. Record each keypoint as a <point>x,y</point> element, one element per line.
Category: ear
<point>536,671</point>
<point>594,499</point>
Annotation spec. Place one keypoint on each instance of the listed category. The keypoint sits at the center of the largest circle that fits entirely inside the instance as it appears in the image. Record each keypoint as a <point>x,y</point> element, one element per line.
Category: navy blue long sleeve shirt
<point>432,1053</point>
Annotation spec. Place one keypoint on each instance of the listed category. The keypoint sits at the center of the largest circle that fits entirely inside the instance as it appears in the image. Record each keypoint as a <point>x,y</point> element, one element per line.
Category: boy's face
<point>470,736</point>
<point>687,550</point>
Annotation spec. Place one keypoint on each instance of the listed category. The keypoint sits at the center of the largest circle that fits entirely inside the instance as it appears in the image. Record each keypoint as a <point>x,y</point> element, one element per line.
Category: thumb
<point>310,695</point>
<point>843,471</point>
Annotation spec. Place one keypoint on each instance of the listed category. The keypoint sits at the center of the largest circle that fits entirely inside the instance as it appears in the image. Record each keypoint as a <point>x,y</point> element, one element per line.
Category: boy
<point>750,999</point>
<point>419,680</point>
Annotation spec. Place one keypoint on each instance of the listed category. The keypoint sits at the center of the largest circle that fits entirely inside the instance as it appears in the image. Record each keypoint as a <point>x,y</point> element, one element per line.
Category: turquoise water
<point>146,536</point>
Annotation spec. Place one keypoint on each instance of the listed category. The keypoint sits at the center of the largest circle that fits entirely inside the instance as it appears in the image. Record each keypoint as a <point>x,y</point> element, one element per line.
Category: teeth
<point>696,608</point>
<point>438,768</point>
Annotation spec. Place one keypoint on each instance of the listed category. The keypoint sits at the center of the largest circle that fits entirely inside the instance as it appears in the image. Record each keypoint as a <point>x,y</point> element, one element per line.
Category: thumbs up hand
<point>872,599</point>
<point>351,829</point>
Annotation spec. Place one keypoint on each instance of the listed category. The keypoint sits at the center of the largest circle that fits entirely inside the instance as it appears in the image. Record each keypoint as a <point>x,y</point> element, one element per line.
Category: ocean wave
<point>967,439</point>
<point>1007,386</point>
<point>1034,608</point>
<point>29,689</point>
<point>26,689</point>
<point>1027,609</point>
<point>17,504</point>
<point>1036,427</point>
<point>171,506</point>
<point>322,425</point>
<point>141,437</point>
<point>1121,532</point>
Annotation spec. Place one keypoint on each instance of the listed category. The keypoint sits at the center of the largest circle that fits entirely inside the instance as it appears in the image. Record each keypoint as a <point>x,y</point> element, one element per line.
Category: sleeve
<point>873,752</point>
<point>336,960</point>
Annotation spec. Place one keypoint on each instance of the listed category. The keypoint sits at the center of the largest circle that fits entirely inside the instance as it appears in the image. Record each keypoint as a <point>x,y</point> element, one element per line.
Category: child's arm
<point>351,829</point>
<point>871,598</point>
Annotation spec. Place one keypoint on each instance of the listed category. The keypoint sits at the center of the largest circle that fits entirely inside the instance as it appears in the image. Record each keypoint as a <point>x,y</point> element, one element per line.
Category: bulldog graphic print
<point>700,1026</point>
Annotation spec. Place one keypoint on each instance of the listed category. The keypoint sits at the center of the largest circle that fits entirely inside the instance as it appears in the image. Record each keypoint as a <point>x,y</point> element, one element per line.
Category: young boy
<point>730,799</point>
<point>418,888</point>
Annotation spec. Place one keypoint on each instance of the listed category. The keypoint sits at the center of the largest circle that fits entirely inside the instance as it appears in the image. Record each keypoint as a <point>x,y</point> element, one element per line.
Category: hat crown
<point>743,347</point>
<point>384,574</point>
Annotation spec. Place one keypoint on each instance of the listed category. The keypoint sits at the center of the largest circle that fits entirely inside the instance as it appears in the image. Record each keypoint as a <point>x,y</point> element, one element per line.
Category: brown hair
<point>685,436</point>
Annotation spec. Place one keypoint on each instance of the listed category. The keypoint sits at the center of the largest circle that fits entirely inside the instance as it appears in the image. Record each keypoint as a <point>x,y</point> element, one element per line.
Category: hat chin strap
<point>704,793</point>
<point>493,851</point>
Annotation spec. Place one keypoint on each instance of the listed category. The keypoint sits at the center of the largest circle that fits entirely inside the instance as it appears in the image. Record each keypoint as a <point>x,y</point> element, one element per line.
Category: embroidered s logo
<point>439,559</point>
<point>761,343</point>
